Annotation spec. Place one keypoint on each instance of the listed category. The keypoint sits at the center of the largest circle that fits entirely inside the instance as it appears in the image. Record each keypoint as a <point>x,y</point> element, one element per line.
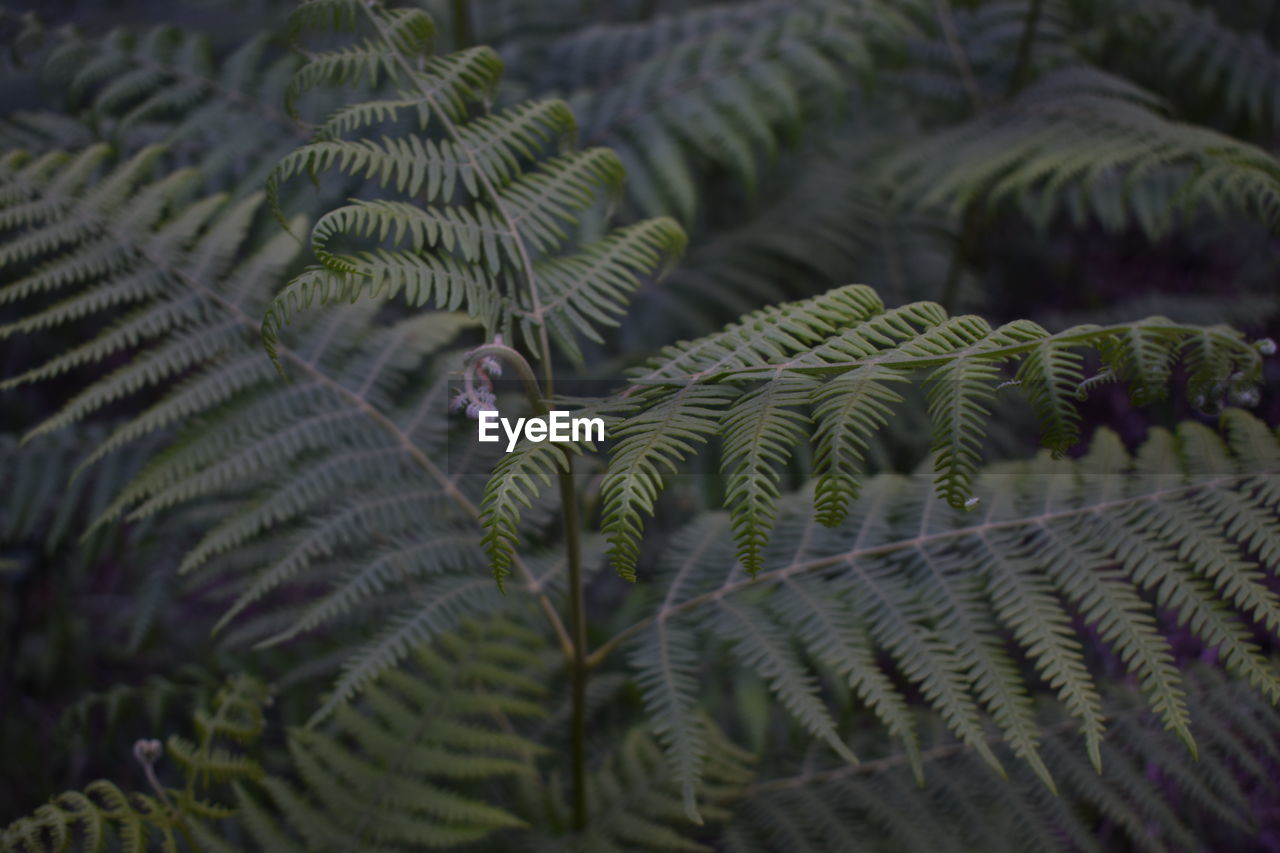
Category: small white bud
<point>1266,346</point>
<point>972,503</point>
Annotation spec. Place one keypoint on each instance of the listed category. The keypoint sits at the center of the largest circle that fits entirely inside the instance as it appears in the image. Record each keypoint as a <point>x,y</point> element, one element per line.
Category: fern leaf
<point>950,600</point>
<point>523,201</point>
<point>699,388</point>
<point>378,778</point>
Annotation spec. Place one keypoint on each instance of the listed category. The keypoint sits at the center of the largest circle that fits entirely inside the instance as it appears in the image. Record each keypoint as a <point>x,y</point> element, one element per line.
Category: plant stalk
<point>578,669</point>
<point>960,256</point>
<point>971,227</point>
<point>946,21</point>
<point>1022,65</point>
<point>568,490</point>
<point>462,36</point>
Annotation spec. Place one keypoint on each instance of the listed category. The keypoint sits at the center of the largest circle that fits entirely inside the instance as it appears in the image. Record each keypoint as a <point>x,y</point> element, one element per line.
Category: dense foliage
<point>980,553</point>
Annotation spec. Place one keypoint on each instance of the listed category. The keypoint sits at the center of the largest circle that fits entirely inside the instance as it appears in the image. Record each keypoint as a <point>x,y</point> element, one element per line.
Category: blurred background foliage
<point>1063,160</point>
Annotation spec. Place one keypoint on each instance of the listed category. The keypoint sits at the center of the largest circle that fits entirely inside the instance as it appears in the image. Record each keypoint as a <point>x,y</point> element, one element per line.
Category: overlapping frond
<point>47,503</point>
<point>341,508</point>
<point>635,805</point>
<point>166,85</point>
<point>723,85</point>
<point>415,764</point>
<point>487,207</point>
<point>1194,801</point>
<point>1236,71</point>
<point>1085,141</point>
<point>910,590</point>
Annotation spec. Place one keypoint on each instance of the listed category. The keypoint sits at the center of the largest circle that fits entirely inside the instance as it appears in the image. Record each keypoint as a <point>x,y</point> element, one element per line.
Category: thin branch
<point>462,37</point>
<point>1022,66</point>
<point>881,765</point>
<point>146,752</point>
<point>948,23</point>
<point>579,670</point>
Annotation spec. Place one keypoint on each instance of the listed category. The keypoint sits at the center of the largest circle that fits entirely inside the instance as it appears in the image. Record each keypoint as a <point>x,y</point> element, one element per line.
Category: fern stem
<point>891,762</point>
<point>528,381</point>
<point>960,253</point>
<point>916,542</point>
<point>948,24</point>
<point>574,645</point>
<point>462,36</point>
<point>419,458</point>
<point>579,670</point>
<point>1022,66</point>
<point>176,814</point>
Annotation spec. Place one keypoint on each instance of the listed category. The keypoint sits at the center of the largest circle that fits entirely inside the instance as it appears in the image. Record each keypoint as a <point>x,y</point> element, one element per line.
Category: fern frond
<point>1058,138</point>
<point>949,599</point>
<point>722,85</point>
<point>705,387</point>
<point>498,253</point>
<point>518,479</point>
<point>634,805</point>
<point>1238,70</point>
<point>665,660</point>
<point>761,429</point>
<point>366,412</point>
<point>167,85</point>
<point>849,411</point>
<point>833,809</point>
<point>413,765</point>
<point>100,813</point>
